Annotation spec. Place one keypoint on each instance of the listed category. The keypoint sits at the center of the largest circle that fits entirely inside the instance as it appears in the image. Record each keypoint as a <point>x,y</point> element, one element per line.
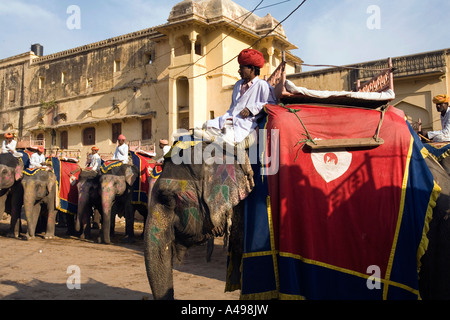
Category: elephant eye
<point>4,172</point>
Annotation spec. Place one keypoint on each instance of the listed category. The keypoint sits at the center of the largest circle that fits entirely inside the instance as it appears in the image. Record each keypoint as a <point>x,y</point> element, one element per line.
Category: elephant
<point>11,190</point>
<point>89,201</point>
<point>116,188</point>
<point>39,199</point>
<point>434,281</point>
<point>191,203</point>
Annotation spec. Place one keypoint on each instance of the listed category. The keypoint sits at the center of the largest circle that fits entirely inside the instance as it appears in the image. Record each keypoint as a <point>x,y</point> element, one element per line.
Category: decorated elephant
<point>191,203</point>
<point>11,190</point>
<point>39,198</point>
<point>287,219</point>
<point>116,189</point>
<point>89,201</point>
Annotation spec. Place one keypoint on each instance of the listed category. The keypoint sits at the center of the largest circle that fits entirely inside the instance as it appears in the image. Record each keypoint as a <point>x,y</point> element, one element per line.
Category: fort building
<point>146,84</point>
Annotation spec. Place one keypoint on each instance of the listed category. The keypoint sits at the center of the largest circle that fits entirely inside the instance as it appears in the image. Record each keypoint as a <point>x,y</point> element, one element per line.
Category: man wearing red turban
<point>250,94</point>
<point>9,144</point>
<point>121,152</point>
<point>441,102</point>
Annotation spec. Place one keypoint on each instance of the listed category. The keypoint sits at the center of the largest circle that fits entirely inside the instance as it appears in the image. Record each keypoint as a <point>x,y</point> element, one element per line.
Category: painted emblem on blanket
<point>331,165</point>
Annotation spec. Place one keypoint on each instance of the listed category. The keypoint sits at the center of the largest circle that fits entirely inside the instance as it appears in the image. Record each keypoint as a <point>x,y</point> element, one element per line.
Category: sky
<point>331,32</point>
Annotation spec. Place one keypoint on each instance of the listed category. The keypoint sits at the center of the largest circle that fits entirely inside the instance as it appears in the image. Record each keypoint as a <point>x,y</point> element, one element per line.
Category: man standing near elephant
<point>442,135</point>
<point>250,94</point>
<point>121,152</point>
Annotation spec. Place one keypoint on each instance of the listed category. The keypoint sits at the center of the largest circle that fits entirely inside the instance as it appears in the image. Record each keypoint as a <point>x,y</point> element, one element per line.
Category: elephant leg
<point>16,210</point>
<point>129,222</point>
<point>158,252</point>
<point>70,224</point>
<point>32,215</point>
<point>236,243</point>
<point>50,233</point>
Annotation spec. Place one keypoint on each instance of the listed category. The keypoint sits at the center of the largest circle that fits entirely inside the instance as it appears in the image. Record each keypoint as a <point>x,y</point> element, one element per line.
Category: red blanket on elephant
<point>341,223</point>
<point>67,173</point>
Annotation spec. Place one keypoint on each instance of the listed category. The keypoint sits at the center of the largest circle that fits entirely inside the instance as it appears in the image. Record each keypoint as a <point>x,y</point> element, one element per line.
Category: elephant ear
<point>225,185</point>
<point>131,174</point>
<point>18,171</point>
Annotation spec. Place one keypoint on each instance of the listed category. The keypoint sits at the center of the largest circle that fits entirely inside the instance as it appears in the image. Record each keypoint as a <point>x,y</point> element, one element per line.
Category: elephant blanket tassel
<point>337,224</point>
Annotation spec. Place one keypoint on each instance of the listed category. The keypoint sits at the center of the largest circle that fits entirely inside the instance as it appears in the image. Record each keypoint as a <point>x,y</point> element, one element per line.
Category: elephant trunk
<point>158,252</point>
<point>29,208</point>
<point>107,202</point>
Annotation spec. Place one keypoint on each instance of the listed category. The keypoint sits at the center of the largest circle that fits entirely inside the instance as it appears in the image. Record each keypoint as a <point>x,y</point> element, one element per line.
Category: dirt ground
<point>39,269</point>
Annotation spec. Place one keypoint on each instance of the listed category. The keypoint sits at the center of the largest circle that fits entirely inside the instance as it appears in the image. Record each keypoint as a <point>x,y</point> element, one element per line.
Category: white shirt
<point>165,149</point>
<point>95,161</point>
<point>36,159</point>
<point>254,99</point>
<point>121,153</point>
<point>9,147</point>
<point>444,134</point>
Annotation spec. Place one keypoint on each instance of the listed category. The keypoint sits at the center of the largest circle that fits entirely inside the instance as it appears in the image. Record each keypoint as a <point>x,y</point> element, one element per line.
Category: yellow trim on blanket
<point>399,219</point>
<point>118,164</point>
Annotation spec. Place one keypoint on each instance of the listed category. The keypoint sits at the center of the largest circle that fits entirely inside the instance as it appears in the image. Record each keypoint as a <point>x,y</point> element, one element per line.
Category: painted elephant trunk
<point>158,257</point>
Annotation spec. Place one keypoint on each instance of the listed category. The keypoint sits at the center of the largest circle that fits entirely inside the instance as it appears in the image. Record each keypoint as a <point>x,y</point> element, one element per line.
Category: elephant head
<point>190,202</point>
<point>116,190</point>
<point>10,187</point>
<point>10,170</point>
<point>88,197</point>
<point>39,197</point>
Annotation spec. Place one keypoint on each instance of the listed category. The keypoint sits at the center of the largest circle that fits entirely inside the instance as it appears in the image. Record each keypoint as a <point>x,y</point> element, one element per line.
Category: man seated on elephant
<point>9,144</point>
<point>250,94</point>
<point>37,159</point>
<point>94,161</point>
<point>442,135</point>
<point>121,152</point>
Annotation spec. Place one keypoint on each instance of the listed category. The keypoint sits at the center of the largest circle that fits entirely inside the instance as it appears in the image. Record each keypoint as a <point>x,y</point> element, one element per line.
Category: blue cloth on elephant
<point>440,150</point>
<point>32,171</point>
<point>109,164</point>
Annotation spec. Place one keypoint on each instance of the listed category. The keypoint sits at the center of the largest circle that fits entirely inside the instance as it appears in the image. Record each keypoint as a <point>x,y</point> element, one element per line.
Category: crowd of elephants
<point>189,205</point>
<point>107,193</point>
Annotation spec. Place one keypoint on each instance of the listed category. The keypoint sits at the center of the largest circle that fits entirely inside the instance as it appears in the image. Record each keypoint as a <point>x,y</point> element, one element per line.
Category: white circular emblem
<point>331,164</point>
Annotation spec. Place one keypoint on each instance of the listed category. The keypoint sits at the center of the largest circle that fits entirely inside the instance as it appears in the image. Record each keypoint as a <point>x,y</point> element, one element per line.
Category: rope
<point>307,134</point>
<point>383,111</point>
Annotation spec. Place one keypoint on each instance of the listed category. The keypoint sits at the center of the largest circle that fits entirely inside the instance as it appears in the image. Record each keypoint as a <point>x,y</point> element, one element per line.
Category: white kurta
<point>444,134</point>
<point>36,160</point>
<point>95,161</point>
<point>259,94</point>
<point>9,147</point>
<point>121,153</point>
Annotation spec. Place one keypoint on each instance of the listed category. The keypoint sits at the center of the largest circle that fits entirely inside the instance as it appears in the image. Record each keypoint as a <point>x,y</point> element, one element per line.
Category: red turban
<point>121,137</point>
<point>41,148</point>
<point>94,148</point>
<point>251,57</point>
<point>8,135</point>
